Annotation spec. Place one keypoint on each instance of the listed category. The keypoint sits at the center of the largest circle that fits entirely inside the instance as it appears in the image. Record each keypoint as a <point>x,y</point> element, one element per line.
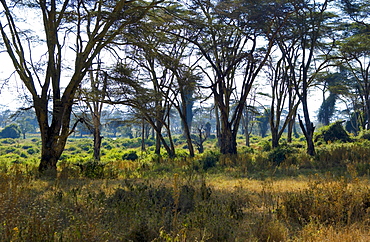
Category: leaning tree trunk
<point>188,140</point>
<point>308,131</point>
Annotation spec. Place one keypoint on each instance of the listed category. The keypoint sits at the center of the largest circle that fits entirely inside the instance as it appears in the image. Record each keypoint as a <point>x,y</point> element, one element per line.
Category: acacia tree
<point>228,35</point>
<point>86,27</point>
<point>144,101</point>
<point>159,58</point>
<point>356,54</point>
<point>282,96</point>
<point>156,108</point>
<point>306,54</point>
<point>93,98</point>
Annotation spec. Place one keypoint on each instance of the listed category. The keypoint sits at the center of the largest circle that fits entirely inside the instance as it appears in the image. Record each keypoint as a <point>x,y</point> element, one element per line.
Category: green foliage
<point>11,131</point>
<point>333,132</point>
<point>91,169</point>
<point>8,141</point>
<point>365,134</point>
<point>340,154</point>
<point>131,143</point>
<point>32,151</point>
<point>130,155</point>
<point>266,145</point>
<point>280,153</point>
<point>209,159</point>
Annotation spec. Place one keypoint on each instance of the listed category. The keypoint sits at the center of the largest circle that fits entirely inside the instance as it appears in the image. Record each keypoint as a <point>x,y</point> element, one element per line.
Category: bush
<point>209,160</point>
<point>279,154</point>
<point>32,151</point>
<point>8,141</point>
<point>365,134</point>
<point>130,155</point>
<point>333,132</point>
<point>266,145</point>
<point>92,169</point>
<point>11,131</point>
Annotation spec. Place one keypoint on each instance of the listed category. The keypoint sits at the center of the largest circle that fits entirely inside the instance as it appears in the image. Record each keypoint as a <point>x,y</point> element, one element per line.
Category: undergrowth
<point>278,194</point>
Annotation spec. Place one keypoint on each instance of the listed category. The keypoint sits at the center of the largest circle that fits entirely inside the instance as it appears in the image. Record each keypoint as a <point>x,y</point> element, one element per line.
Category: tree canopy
<point>163,61</point>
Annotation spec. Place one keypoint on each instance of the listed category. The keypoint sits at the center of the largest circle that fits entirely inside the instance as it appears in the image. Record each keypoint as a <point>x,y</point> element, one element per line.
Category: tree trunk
<point>53,136</point>
<point>367,118</point>
<point>275,137</point>
<point>228,144</point>
<point>228,139</point>
<point>97,144</point>
<point>308,131</point>
<point>290,130</point>
<point>188,140</point>
<point>143,135</point>
<point>51,150</point>
<point>158,137</point>
<point>218,126</point>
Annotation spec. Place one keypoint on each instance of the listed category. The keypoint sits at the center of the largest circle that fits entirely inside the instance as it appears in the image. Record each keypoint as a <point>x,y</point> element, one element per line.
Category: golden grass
<point>200,207</point>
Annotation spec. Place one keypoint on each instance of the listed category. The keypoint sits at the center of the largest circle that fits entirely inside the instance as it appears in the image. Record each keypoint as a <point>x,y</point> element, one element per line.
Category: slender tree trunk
<point>158,137</point>
<point>143,135</point>
<point>275,137</point>
<point>188,140</point>
<point>290,130</point>
<point>308,131</point>
<point>218,126</point>
<point>367,118</point>
<point>97,144</point>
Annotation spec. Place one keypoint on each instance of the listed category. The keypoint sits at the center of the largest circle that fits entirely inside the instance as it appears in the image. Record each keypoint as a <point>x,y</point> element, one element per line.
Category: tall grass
<point>275,195</point>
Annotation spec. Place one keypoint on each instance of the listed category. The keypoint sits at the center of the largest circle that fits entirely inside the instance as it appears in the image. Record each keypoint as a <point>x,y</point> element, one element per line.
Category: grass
<point>233,198</point>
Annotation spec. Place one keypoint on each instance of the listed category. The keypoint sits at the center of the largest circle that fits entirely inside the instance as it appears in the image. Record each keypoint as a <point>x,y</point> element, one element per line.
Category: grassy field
<point>259,195</point>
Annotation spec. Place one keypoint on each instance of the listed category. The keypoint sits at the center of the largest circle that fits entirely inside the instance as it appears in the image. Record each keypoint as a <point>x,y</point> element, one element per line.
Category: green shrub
<point>11,131</point>
<point>246,150</point>
<point>32,151</point>
<point>85,144</point>
<point>23,155</point>
<point>92,169</point>
<point>365,134</point>
<point>333,132</point>
<point>10,150</point>
<point>8,141</point>
<point>107,145</point>
<point>209,160</point>
<point>130,155</point>
<point>71,148</point>
<point>266,145</point>
<point>131,143</point>
<point>279,154</point>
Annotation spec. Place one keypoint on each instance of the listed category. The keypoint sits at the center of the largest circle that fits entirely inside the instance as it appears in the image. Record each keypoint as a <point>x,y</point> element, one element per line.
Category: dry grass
<point>179,208</point>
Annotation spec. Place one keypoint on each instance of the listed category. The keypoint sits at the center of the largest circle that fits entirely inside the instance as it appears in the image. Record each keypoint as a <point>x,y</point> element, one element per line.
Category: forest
<point>189,120</point>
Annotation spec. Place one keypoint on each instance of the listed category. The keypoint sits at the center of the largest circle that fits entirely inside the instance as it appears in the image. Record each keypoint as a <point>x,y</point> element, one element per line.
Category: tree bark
<point>97,144</point>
